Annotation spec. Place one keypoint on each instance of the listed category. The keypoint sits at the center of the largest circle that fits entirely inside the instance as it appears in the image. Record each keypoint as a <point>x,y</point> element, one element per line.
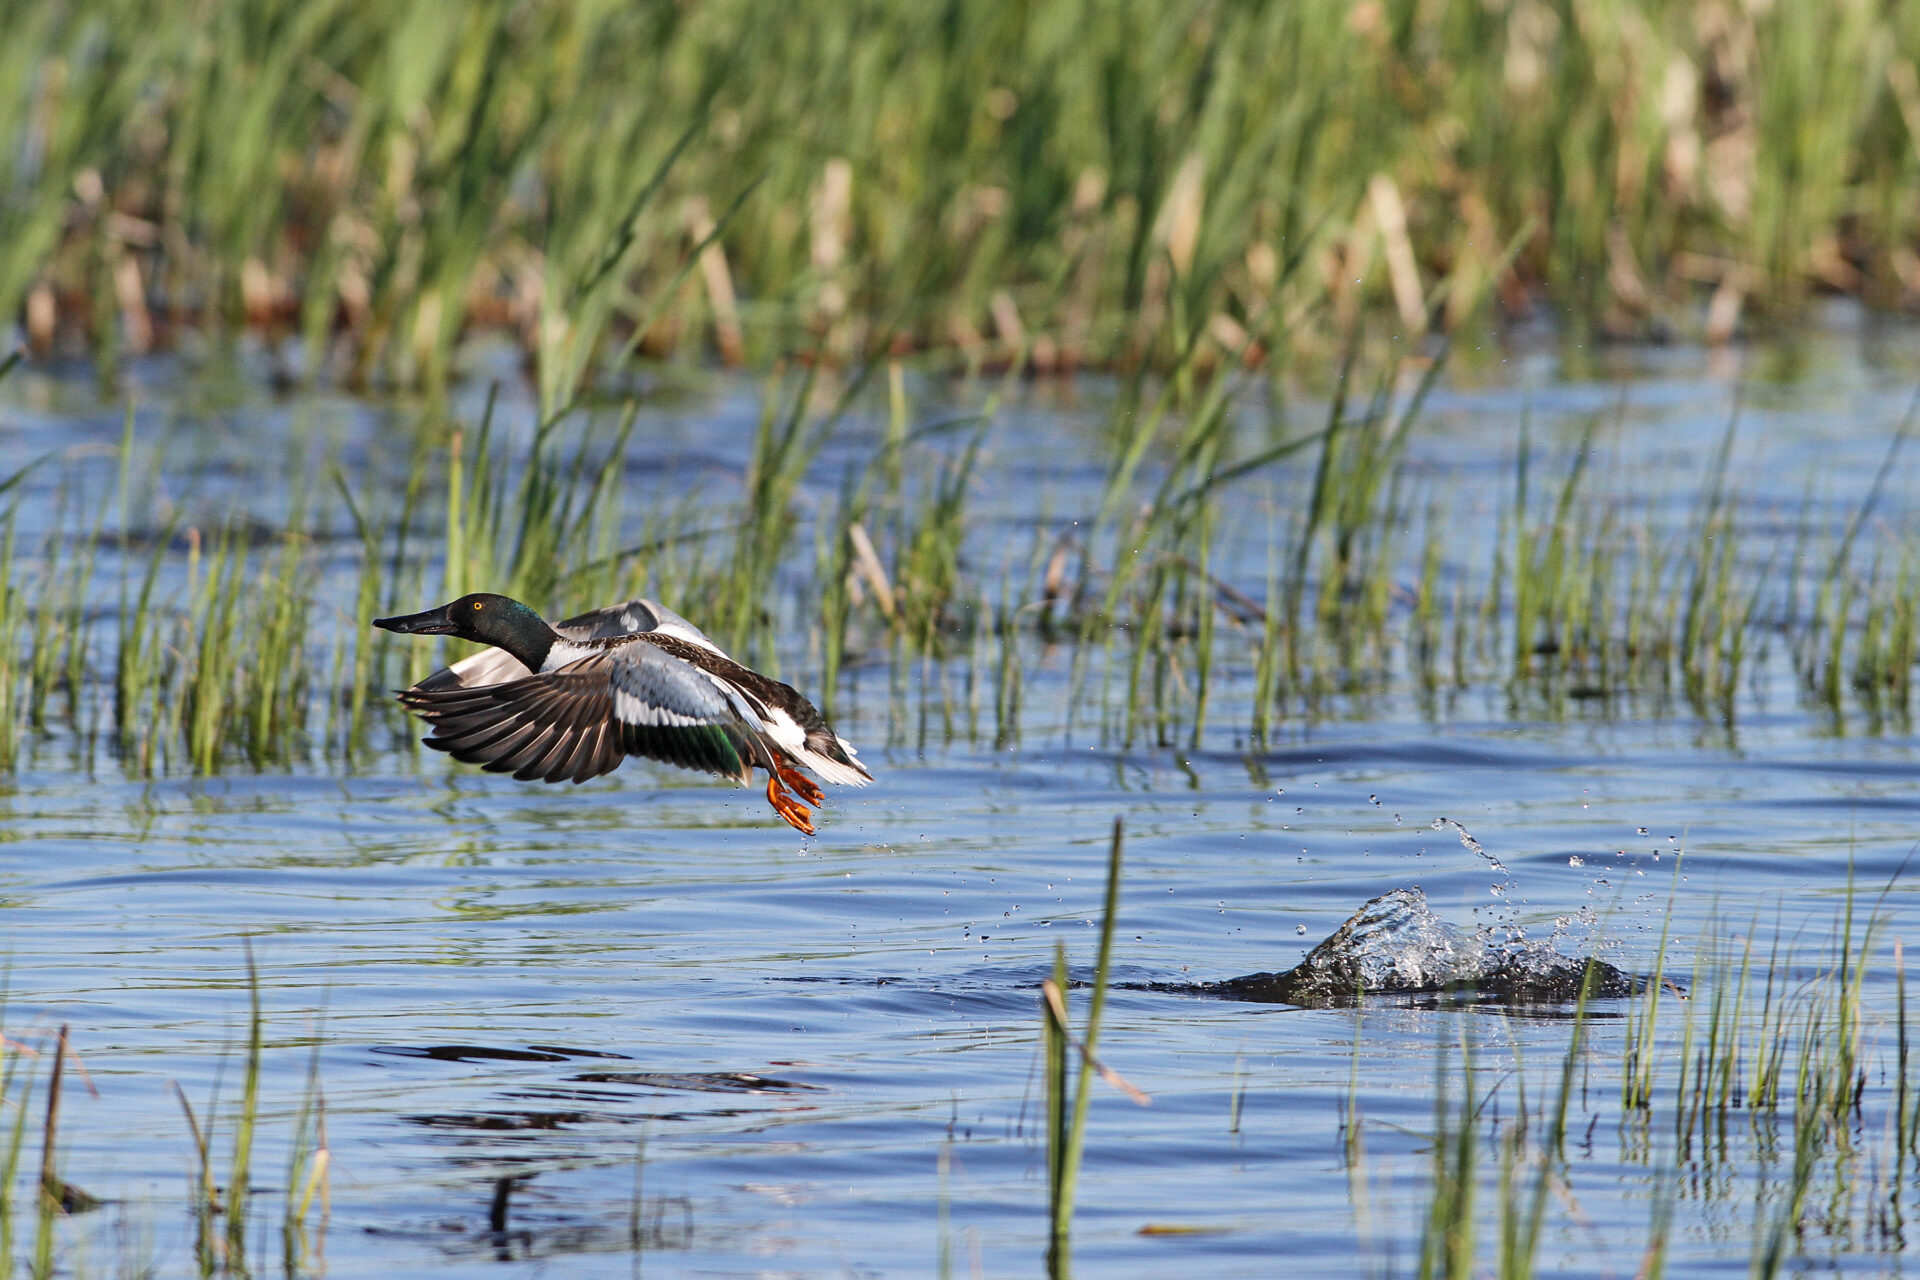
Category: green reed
<point>1067,1104</point>
<point>13,618</point>
<point>522,525</point>
<point>16,1089</point>
<point>1047,183</point>
<point>786,440</point>
<point>221,1209</point>
<point>1447,1243</point>
<point>1767,1065</point>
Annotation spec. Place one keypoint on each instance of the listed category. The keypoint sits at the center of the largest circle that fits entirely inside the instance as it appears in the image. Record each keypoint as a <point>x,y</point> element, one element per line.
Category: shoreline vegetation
<point>1116,185</point>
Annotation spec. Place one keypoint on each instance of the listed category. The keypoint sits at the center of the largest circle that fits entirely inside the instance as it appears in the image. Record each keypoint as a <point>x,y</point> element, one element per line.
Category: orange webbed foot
<point>796,814</point>
<point>806,788</point>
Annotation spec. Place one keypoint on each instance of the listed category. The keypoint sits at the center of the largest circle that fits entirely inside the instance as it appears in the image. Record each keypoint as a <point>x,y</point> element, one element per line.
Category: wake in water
<point>1395,944</point>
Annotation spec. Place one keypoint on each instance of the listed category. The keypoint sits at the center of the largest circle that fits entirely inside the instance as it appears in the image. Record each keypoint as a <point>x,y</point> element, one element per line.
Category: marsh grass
<point>209,644</point>
<point>1767,1088</point>
<point>1041,184</point>
<point>1067,1103</point>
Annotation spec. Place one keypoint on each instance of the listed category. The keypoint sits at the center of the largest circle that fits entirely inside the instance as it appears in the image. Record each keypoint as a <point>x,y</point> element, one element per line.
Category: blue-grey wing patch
<point>628,618</point>
<point>582,720</point>
<point>637,616</point>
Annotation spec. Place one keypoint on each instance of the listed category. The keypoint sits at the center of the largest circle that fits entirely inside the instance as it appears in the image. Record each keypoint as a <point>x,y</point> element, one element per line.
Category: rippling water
<point>639,1023</point>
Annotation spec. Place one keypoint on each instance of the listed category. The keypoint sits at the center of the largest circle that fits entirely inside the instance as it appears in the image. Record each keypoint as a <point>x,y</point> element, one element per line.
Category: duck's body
<point>570,701</point>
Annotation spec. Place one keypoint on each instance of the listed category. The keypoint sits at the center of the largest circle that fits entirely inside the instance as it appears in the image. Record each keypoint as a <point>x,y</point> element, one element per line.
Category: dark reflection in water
<point>522,1223</point>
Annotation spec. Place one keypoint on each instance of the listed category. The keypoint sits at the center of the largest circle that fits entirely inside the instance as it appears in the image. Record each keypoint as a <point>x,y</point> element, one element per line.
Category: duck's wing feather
<point>638,616</point>
<point>793,725</point>
<point>629,617</point>
<point>581,720</point>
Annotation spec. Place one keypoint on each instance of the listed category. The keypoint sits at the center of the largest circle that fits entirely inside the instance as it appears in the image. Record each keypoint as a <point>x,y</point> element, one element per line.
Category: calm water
<point>698,1045</point>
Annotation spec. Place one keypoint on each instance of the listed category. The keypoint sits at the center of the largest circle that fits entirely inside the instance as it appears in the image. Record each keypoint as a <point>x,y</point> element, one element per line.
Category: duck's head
<point>485,618</point>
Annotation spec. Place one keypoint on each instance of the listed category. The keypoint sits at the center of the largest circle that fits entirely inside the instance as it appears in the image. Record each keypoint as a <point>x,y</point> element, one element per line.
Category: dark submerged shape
<point>1396,945</point>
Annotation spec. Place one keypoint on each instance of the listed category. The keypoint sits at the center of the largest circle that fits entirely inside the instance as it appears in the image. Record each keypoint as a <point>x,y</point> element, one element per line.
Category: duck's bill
<point>434,622</point>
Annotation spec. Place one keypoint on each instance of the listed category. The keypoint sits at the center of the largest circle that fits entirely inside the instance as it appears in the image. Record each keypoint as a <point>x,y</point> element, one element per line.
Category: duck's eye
<point>478,605</point>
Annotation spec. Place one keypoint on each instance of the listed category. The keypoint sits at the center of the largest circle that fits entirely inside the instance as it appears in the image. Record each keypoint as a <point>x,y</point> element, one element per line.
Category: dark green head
<point>485,618</point>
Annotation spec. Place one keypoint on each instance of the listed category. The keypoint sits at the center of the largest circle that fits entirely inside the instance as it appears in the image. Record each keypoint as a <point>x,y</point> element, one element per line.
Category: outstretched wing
<point>786,719</point>
<point>580,721</point>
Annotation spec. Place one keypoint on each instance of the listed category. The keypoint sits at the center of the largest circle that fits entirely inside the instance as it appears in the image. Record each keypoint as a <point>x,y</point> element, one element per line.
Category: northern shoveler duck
<point>574,699</point>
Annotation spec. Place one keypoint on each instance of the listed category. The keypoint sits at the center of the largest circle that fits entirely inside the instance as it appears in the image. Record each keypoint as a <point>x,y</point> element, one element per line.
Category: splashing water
<point>1503,891</point>
<point>1466,838</point>
<point>1396,944</point>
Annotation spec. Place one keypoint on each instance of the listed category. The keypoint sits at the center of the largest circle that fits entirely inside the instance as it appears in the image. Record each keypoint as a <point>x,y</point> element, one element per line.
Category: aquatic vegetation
<point>209,644</point>
<point>1053,186</point>
<point>220,1209</point>
<point>1066,1120</point>
<point>1703,1116</point>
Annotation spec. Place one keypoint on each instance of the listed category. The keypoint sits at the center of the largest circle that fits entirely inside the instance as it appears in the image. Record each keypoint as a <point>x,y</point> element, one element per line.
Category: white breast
<point>564,652</point>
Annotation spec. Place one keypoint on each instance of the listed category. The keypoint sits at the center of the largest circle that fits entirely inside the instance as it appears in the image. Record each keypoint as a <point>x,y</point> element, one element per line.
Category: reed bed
<point>1066,184</point>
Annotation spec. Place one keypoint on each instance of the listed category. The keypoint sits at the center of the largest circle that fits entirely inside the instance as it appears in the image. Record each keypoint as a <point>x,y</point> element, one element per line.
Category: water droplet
<point>1575,860</point>
<point>1641,830</point>
<point>1375,799</point>
<point>1300,930</point>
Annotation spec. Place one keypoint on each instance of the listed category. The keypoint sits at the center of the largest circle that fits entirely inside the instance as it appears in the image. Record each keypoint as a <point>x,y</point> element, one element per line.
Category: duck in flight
<point>571,700</point>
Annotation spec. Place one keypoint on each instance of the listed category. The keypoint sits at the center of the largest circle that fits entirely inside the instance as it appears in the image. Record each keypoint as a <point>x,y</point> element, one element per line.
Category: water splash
<point>1395,944</point>
<point>1466,838</point>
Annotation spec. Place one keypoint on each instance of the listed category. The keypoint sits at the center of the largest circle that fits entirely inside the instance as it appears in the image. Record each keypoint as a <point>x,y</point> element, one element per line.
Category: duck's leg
<point>802,785</point>
<point>796,814</point>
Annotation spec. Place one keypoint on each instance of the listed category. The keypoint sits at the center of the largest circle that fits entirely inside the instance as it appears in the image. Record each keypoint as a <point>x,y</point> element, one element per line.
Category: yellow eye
<point>478,605</point>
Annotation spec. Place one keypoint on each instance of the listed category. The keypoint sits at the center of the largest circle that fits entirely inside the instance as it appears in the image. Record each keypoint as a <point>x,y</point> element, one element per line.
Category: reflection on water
<point>639,1018</point>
